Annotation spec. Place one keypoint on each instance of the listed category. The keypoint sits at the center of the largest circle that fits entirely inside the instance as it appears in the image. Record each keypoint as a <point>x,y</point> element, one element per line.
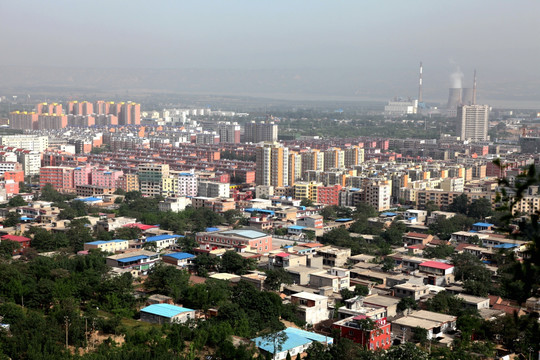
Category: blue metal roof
<point>483,224</point>
<point>165,310</point>
<point>180,255</point>
<point>163,237</point>
<point>388,214</point>
<point>344,220</point>
<point>132,258</point>
<point>212,229</point>
<point>296,227</point>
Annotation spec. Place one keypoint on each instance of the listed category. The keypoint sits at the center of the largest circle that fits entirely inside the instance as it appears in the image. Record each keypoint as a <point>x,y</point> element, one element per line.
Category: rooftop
<point>180,255</point>
<point>250,234</point>
<point>436,265</point>
<point>309,296</point>
<point>165,310</point>
<point>163,237</point>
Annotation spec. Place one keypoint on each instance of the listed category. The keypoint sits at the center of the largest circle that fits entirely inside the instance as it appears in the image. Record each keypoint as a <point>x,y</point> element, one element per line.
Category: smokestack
<point>420,85</point>
<point>474,89</point>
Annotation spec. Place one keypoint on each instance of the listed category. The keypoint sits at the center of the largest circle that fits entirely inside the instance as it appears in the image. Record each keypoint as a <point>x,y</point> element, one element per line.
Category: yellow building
<point>306,190</point>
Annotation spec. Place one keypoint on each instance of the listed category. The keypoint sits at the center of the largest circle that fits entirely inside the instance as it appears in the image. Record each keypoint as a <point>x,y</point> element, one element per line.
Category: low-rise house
<point>337,278</point>
<point>141,260</point>
<point>111,246</point>
<point>355,306</point>
<point>359,329</point>
<point>438,273</point>
<point>474,302</point>
<point>389,303</point>
<point>413,238</point>
<point>23,242</point>
<point>256,279</point>
<point>296,342</point>
<point>166,313</point>
<point>436,324</point>
<point>312,308</point>
<point>180,259</point>
<point>413,291</point>
<point>334,255</point>
<point>256,240</point>
<point>163,241</point>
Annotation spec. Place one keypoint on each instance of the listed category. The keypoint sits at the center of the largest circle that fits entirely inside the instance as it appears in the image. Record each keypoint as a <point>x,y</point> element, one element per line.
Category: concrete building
<point>180,259</point>
<point>163,241</point>
<point>356,329</point>
<point>334,256</point>
<point>255,132</point>
<point>312,308</point>
<point>229,132</point>
<point>472,122</point>
<point>111,246</point>
<point>436,324</point>
<point>27,142</point>
<point>296,343</point>
<point>174,204</point>
<point>272,165</point>
<point>213,189</point>
<point>410,290</point>
<point>237,239</point>
<point>140,260</point>
<point>150,178</point>
<point>166,313</point>
<point>378,194</point>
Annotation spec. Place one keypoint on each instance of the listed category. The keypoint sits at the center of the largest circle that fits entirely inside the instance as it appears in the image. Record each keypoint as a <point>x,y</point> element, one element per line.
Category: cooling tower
<point>454,98</point>
<point>467,96</point>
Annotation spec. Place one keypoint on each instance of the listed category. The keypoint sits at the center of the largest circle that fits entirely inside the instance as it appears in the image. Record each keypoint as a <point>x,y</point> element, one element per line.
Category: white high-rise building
<point>272,165</point>
<point>472,122</point>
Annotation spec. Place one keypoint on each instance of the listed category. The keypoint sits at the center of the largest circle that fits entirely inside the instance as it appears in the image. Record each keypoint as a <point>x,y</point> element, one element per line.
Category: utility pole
<point>66,323</point>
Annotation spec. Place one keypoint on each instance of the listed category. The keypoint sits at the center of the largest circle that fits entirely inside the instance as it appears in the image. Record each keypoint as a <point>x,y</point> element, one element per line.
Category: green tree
<point>420,335</point>
<point>406,303</point>
<point>7,248</point>
<point>444,302</point>
<point>128,233</point>
<point>11,219</point>
<point>167,280</point>
<point>480,209</point>
<point>441,251</point>
<point>232,262</point>
<point>17,201</point>
<point>406,351</point>
<point>460,205</point>
<point>276,277</point>
<point>388,264</point>
<point>306,202</point>
<point>79,233</point>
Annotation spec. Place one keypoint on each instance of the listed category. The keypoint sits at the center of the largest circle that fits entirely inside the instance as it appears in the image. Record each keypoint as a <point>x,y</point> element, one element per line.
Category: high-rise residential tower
<point>272,165</point>
<point>472,122</point>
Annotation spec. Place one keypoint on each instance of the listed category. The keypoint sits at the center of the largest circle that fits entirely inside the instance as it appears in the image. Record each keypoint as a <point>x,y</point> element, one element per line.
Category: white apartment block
<point>27,142</point>
<point>213,189</point>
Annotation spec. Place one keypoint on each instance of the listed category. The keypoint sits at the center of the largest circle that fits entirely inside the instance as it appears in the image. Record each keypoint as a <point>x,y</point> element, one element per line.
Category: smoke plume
<point>456,78</point>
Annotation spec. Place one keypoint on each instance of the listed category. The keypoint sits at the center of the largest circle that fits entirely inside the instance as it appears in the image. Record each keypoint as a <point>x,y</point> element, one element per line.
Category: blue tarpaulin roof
<point>482,224</point>
<point>99,242</point>
<point>262,211</point>
<point>132,258</point>
<point>344,220</point>
<point>505,246</point>
<point>90,199</point>
<point>212,229</point>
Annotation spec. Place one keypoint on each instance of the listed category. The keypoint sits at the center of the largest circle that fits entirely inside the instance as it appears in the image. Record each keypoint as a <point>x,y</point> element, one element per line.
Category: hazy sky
<point>380,41</point>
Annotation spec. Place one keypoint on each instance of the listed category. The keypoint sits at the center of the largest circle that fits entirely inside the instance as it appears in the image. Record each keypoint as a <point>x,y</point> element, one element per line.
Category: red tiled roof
<point>283,254</point>
<point>436,265</point>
